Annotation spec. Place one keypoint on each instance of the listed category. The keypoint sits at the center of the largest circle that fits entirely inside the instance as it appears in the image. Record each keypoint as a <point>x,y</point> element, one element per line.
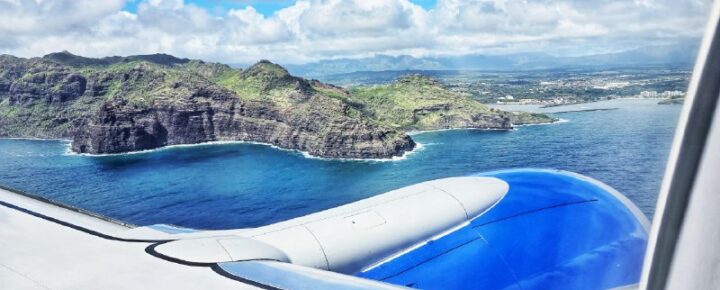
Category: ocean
<point>237,185</point>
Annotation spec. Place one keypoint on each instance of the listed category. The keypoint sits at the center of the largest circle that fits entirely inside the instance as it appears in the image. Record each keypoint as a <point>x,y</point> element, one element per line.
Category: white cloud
<point>38,17</point>
<point>357,17</point>
<point>164,4</point>
<point>248,27</point>
<point>310,30</point>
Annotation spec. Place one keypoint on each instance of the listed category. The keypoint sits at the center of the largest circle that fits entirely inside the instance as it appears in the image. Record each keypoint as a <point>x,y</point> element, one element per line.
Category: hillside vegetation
<point>120,104</point>
<point>417,102</point>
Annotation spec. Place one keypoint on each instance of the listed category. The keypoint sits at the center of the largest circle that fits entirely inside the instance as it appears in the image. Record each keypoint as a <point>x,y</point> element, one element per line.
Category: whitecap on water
<point>69,152</point>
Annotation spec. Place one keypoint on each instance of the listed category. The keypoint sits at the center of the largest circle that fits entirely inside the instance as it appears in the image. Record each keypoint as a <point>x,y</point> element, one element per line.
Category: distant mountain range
<point>679,55</point>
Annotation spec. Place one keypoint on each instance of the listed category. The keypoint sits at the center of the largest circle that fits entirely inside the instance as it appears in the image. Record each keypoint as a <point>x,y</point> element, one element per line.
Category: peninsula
<point>123,104</point>
<point>418,102</point>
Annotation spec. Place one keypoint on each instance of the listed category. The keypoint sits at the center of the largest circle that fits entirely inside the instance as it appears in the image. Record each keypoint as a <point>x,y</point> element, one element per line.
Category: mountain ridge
<point>123,104</point>
<point>669,55</point>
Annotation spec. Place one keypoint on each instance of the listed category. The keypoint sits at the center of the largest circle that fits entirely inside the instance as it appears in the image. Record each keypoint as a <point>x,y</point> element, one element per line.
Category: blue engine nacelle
<point>553,230</point>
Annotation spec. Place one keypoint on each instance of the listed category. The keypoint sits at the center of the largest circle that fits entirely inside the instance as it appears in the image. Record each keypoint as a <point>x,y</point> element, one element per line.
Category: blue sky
<point>265,7</point>
<point>243,31</point>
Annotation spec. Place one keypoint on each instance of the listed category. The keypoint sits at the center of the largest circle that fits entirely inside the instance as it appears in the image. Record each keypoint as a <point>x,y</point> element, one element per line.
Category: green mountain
<point>417,102</point>
<point>121,104</point>
<point>113,105</point>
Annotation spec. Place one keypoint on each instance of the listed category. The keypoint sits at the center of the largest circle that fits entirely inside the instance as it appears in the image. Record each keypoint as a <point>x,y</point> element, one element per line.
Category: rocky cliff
<point>122,104</point>
<point>114,105</point>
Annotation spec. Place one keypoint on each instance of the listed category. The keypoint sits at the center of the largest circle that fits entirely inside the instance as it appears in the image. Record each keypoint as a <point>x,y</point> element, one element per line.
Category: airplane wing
<point>514,229</point>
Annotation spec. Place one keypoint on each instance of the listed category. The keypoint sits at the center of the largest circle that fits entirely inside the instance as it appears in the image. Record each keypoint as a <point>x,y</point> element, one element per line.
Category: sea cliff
<point>116,105</point>
<point>124,104</point>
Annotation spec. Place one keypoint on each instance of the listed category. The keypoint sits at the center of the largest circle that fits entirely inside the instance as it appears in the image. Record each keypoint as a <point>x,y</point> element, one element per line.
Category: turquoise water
<point>246,185</point>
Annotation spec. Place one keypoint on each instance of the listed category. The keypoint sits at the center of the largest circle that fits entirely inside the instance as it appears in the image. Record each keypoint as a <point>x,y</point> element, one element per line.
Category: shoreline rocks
<point>125,104</point>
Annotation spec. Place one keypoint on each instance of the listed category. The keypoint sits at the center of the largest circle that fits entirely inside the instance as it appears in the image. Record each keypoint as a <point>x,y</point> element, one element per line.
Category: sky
<point>296,32</point>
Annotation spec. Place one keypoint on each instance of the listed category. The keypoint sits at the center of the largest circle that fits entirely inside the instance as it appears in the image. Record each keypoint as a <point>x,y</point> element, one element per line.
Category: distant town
<point>567,100</point>
<point>545,87</point>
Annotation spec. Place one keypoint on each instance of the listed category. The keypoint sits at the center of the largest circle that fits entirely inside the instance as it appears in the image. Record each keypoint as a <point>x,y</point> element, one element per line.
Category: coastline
<point>419,132</point>
<point>418,146</point>
<point>586,110</point>
<point>35,139</point>
<point>69,152</point>
<point>552,105</point>
<point>559,121</point>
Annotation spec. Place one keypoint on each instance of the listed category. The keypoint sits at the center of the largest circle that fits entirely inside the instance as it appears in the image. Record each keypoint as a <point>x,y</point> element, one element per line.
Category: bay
<point>222,186</point>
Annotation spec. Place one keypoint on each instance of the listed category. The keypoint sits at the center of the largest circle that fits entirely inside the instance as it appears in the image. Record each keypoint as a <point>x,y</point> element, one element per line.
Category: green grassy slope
<point>417,102</point>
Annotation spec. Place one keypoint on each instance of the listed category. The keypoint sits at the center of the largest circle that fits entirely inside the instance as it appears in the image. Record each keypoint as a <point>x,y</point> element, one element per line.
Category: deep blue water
<point>247,185</point>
